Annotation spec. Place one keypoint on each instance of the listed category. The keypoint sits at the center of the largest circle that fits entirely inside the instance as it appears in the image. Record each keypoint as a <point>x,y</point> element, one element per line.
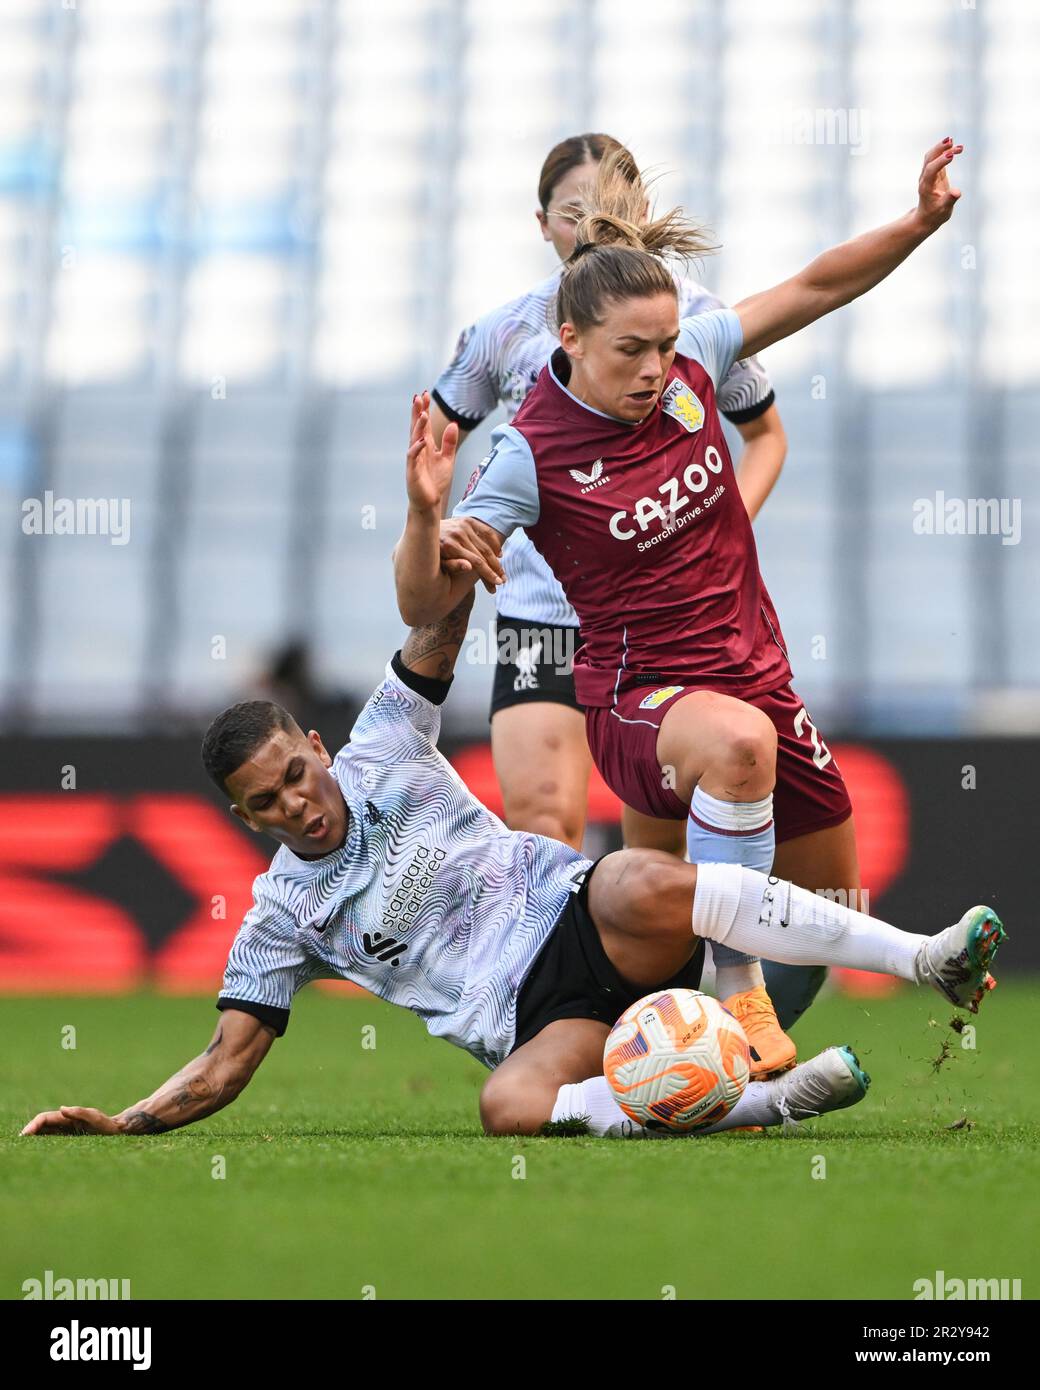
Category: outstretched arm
<point>847,271</point>
<point>428,588</point>
<point>204,1086</point>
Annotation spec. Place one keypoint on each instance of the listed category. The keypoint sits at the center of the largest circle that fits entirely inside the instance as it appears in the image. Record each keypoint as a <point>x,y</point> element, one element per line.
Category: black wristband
<point>429,687</point>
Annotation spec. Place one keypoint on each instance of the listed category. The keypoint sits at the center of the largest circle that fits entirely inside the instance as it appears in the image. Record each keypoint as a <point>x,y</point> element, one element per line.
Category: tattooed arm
<point>432,650</point>
<point>204,1086</point>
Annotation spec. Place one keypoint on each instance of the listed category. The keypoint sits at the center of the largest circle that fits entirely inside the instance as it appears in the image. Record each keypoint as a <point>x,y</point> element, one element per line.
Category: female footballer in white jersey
<point>535,717</point>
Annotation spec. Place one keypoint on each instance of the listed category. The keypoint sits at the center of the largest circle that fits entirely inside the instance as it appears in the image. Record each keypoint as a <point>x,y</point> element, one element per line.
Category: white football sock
<point>757,1106</point>
<point>771,917</point>
<point>594,1100</point>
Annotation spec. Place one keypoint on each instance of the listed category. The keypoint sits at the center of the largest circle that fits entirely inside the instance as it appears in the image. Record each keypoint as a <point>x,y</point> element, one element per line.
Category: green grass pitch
<point>351,1170</point>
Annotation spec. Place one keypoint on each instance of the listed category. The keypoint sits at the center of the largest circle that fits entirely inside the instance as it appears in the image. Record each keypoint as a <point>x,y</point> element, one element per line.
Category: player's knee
<point>666,895</point>
<point>645,887</point>
<point>545,815</point>
<point>494,1111</point>
<point>568,830</point>
<point>747,753</point>
<point>506,1108</point>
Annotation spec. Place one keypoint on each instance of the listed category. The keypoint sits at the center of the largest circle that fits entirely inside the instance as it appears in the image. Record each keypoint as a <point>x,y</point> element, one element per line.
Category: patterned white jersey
<point>497,361</point>
<point>431,902</point>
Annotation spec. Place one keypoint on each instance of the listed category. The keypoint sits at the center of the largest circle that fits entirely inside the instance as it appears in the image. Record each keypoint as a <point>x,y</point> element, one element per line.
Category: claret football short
<point>810,791</point>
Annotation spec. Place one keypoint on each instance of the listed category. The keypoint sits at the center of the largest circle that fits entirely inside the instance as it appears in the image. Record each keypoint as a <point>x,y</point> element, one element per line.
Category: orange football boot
<point>772,1051</point>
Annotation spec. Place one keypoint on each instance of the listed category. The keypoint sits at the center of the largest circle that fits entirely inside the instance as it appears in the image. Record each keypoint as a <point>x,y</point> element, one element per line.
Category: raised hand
<point>935,197</point>
<point>72,1119</point>
<point>429,469</point>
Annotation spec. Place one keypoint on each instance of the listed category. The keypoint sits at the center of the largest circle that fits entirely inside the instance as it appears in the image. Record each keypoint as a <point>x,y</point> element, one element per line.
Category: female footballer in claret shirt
<point>617,468</point>
<point>535,714</point>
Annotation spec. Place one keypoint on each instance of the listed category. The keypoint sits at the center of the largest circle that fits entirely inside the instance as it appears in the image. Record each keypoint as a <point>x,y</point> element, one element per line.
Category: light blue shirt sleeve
<point>713,339</point>
<point>503,489</point>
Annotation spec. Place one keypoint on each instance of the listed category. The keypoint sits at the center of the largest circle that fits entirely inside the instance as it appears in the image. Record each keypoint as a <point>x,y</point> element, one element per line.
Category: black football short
<point>535,662</point>
<point>572,977</point>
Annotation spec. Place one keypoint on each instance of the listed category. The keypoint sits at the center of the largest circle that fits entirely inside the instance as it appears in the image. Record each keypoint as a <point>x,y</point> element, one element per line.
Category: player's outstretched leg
<point>833,1080</point>
<point>644,902</point>
<point>785,923</point>
<point>554,1085</point>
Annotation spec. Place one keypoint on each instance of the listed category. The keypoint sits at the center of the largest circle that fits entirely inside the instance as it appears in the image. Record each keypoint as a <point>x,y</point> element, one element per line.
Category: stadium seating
<point>234,239</point>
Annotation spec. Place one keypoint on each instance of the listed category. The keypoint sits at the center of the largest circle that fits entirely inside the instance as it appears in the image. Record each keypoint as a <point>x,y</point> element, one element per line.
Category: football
<point>677,1060</point>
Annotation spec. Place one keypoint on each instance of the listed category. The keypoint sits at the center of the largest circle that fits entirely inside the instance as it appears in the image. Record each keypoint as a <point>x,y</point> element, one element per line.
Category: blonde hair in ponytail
<point>620,246</point>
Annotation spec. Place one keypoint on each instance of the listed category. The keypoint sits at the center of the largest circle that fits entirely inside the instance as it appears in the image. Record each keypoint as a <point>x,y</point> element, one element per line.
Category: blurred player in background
<point>538,740</point>
<point>683,671</point>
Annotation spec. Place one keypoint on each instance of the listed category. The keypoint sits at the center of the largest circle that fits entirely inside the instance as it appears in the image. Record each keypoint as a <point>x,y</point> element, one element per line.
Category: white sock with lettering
<point>772,918</point>
<point>757,1106</point>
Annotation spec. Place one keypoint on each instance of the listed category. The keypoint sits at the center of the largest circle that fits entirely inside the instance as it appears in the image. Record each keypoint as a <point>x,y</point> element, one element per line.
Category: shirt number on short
<point>821,753</point>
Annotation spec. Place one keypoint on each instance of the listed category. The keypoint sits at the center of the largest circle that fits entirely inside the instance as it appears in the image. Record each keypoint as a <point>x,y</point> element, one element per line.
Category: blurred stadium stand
<point>235,236</point>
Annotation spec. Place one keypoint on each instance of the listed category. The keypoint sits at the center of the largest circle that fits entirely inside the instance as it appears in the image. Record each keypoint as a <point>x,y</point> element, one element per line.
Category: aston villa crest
<point>682,403</point>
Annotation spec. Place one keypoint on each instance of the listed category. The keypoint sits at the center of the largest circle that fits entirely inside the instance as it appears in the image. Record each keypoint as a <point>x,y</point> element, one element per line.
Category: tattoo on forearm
<point>195,1089</point>
<point>140,1122</point>
<point>439,641</point>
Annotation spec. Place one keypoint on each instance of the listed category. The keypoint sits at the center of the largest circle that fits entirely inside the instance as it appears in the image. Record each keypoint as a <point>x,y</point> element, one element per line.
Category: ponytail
<point>620,247</point>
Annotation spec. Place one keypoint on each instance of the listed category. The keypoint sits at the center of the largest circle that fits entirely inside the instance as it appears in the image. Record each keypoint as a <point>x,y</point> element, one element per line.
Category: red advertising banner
<point>118,885</point>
